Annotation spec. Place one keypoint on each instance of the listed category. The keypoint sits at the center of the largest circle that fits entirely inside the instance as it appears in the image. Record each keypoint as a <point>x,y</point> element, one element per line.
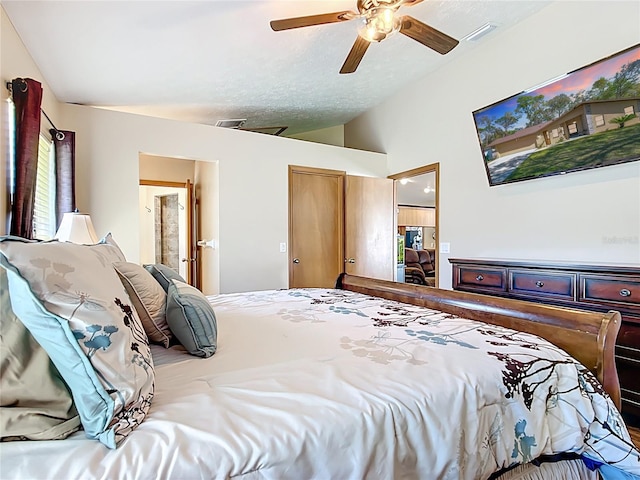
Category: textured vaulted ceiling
<point>202,61</point>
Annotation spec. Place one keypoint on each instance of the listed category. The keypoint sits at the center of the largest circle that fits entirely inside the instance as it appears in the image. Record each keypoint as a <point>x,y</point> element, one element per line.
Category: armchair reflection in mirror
<point>420,266</point>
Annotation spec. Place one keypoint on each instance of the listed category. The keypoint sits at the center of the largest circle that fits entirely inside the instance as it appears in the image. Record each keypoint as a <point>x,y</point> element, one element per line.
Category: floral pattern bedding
<point>507,397</point>
<point>320,384</point>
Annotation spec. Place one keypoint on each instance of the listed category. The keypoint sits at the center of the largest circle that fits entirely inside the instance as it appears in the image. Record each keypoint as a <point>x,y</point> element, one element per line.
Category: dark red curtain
<point>64,143</point>
<point>27,97</point>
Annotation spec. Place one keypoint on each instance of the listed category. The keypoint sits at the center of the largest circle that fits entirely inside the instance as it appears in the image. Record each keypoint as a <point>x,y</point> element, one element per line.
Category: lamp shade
<point>76,228</point>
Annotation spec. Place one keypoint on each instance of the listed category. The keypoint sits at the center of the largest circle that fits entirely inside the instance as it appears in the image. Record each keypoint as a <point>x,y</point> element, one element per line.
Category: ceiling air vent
<point>480,32</point>
<point>268,130</point>
<point>236,123</point>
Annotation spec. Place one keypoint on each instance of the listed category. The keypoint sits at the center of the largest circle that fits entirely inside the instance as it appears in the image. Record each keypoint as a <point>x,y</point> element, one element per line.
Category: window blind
<point>44,222</point>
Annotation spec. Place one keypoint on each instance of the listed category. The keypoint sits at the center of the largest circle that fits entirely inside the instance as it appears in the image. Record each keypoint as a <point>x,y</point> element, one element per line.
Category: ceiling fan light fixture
<point>379,23</point>
<point>377,20</point>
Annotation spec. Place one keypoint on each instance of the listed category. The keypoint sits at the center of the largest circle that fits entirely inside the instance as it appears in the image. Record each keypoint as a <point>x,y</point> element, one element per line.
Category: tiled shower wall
<point>167,230</point>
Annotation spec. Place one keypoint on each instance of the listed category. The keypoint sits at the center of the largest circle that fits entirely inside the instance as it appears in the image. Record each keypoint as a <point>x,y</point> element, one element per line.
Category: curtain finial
<point>19,82</point>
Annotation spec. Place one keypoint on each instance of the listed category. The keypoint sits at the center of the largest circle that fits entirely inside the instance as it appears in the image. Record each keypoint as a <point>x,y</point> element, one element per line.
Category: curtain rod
<point>23,87</point>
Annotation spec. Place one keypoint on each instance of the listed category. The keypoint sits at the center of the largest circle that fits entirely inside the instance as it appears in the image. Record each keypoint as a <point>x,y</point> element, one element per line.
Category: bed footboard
<point>587,336</point>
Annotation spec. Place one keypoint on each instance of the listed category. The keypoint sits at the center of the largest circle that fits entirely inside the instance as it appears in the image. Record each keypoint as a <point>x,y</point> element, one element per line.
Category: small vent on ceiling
<point>480,32</point>
<point>236,123</point>
<point>268,130</point>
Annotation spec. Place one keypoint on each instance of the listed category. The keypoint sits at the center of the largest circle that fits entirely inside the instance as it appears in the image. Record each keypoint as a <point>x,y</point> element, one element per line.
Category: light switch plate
<point>445,247</point>
<point>283,247</point>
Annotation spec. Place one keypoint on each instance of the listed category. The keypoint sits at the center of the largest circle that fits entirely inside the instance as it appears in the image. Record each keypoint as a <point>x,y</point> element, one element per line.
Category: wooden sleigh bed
<point>372,379</point>
<point>588,337</point>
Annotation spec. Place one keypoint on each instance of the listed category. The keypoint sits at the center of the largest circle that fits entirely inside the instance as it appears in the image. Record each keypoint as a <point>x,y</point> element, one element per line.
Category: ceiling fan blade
<point>297,22</point>
<point>355,55</point>
<point>426,35</point>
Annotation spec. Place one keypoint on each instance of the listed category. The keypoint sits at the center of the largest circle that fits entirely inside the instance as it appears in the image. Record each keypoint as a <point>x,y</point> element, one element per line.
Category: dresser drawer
<point>614,290</point>
<point>629,336</point>
<point>628,366</point>
<point>630,407</point>
<point>541,283</point>
<point>480,279</point>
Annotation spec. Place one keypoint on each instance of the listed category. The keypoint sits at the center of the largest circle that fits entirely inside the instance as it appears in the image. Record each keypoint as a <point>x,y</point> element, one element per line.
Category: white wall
<point>590,216</point>
<point>253,183</point>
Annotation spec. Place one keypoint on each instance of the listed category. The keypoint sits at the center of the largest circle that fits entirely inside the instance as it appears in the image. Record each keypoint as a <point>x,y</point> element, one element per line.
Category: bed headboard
<point>587,336</point>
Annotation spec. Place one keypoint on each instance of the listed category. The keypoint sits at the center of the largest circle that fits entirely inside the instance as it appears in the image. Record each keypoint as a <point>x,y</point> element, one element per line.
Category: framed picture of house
<point>584,119</point>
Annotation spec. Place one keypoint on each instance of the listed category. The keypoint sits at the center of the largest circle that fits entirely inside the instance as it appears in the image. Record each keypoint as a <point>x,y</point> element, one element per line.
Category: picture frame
<point>585,119</point>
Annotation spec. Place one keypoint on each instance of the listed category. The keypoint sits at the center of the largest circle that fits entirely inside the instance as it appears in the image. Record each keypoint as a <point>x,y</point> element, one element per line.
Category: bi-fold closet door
<point>339,223</point>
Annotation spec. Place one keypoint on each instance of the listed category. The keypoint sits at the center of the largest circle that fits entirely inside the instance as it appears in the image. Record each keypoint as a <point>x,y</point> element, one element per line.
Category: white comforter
<point>329,384</point>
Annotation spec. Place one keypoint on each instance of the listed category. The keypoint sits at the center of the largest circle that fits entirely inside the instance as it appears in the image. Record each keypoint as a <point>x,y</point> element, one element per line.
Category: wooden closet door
<point>370,241</point>
<point>316,218</point>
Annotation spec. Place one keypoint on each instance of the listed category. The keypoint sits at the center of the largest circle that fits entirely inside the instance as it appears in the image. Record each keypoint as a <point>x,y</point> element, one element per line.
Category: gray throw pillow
<point>163,274</point>
<point>149,300</point>
<point>191,319</point>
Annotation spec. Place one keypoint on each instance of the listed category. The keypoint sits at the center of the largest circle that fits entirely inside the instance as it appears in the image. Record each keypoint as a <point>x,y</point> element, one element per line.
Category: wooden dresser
<point>588,287</point>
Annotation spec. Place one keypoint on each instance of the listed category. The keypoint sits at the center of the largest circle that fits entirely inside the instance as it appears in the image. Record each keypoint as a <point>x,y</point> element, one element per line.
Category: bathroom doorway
<point>166,224</point>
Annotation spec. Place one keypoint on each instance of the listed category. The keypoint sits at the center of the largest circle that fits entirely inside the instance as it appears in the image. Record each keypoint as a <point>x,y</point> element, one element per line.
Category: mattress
<point>316,383</point>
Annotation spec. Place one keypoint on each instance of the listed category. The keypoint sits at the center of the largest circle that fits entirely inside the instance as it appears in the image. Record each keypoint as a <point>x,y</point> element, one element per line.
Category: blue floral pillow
<point>73,303</point>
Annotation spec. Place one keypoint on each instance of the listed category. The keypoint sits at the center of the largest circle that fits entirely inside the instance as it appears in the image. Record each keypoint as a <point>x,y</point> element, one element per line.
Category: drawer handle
<point>480,278</point>
<point>539,284</point>
<point>625,293</point>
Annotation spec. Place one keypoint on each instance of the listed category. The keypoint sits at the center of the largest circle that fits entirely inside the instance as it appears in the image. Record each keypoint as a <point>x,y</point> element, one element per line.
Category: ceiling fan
<point>379,20</point>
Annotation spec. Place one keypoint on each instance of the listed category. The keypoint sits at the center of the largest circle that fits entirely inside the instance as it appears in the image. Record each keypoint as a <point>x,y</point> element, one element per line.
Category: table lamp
<point>76,227</point>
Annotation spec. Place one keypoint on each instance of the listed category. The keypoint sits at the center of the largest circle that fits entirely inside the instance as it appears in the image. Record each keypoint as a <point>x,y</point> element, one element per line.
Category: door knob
<point>351,260</point>
<point>296,260</point>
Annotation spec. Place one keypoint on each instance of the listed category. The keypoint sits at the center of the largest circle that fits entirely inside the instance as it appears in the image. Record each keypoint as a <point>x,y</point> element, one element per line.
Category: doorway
<point>166,219</point>
<point>339,223</point>
<point>417,221</point>
<point>316,218</point>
